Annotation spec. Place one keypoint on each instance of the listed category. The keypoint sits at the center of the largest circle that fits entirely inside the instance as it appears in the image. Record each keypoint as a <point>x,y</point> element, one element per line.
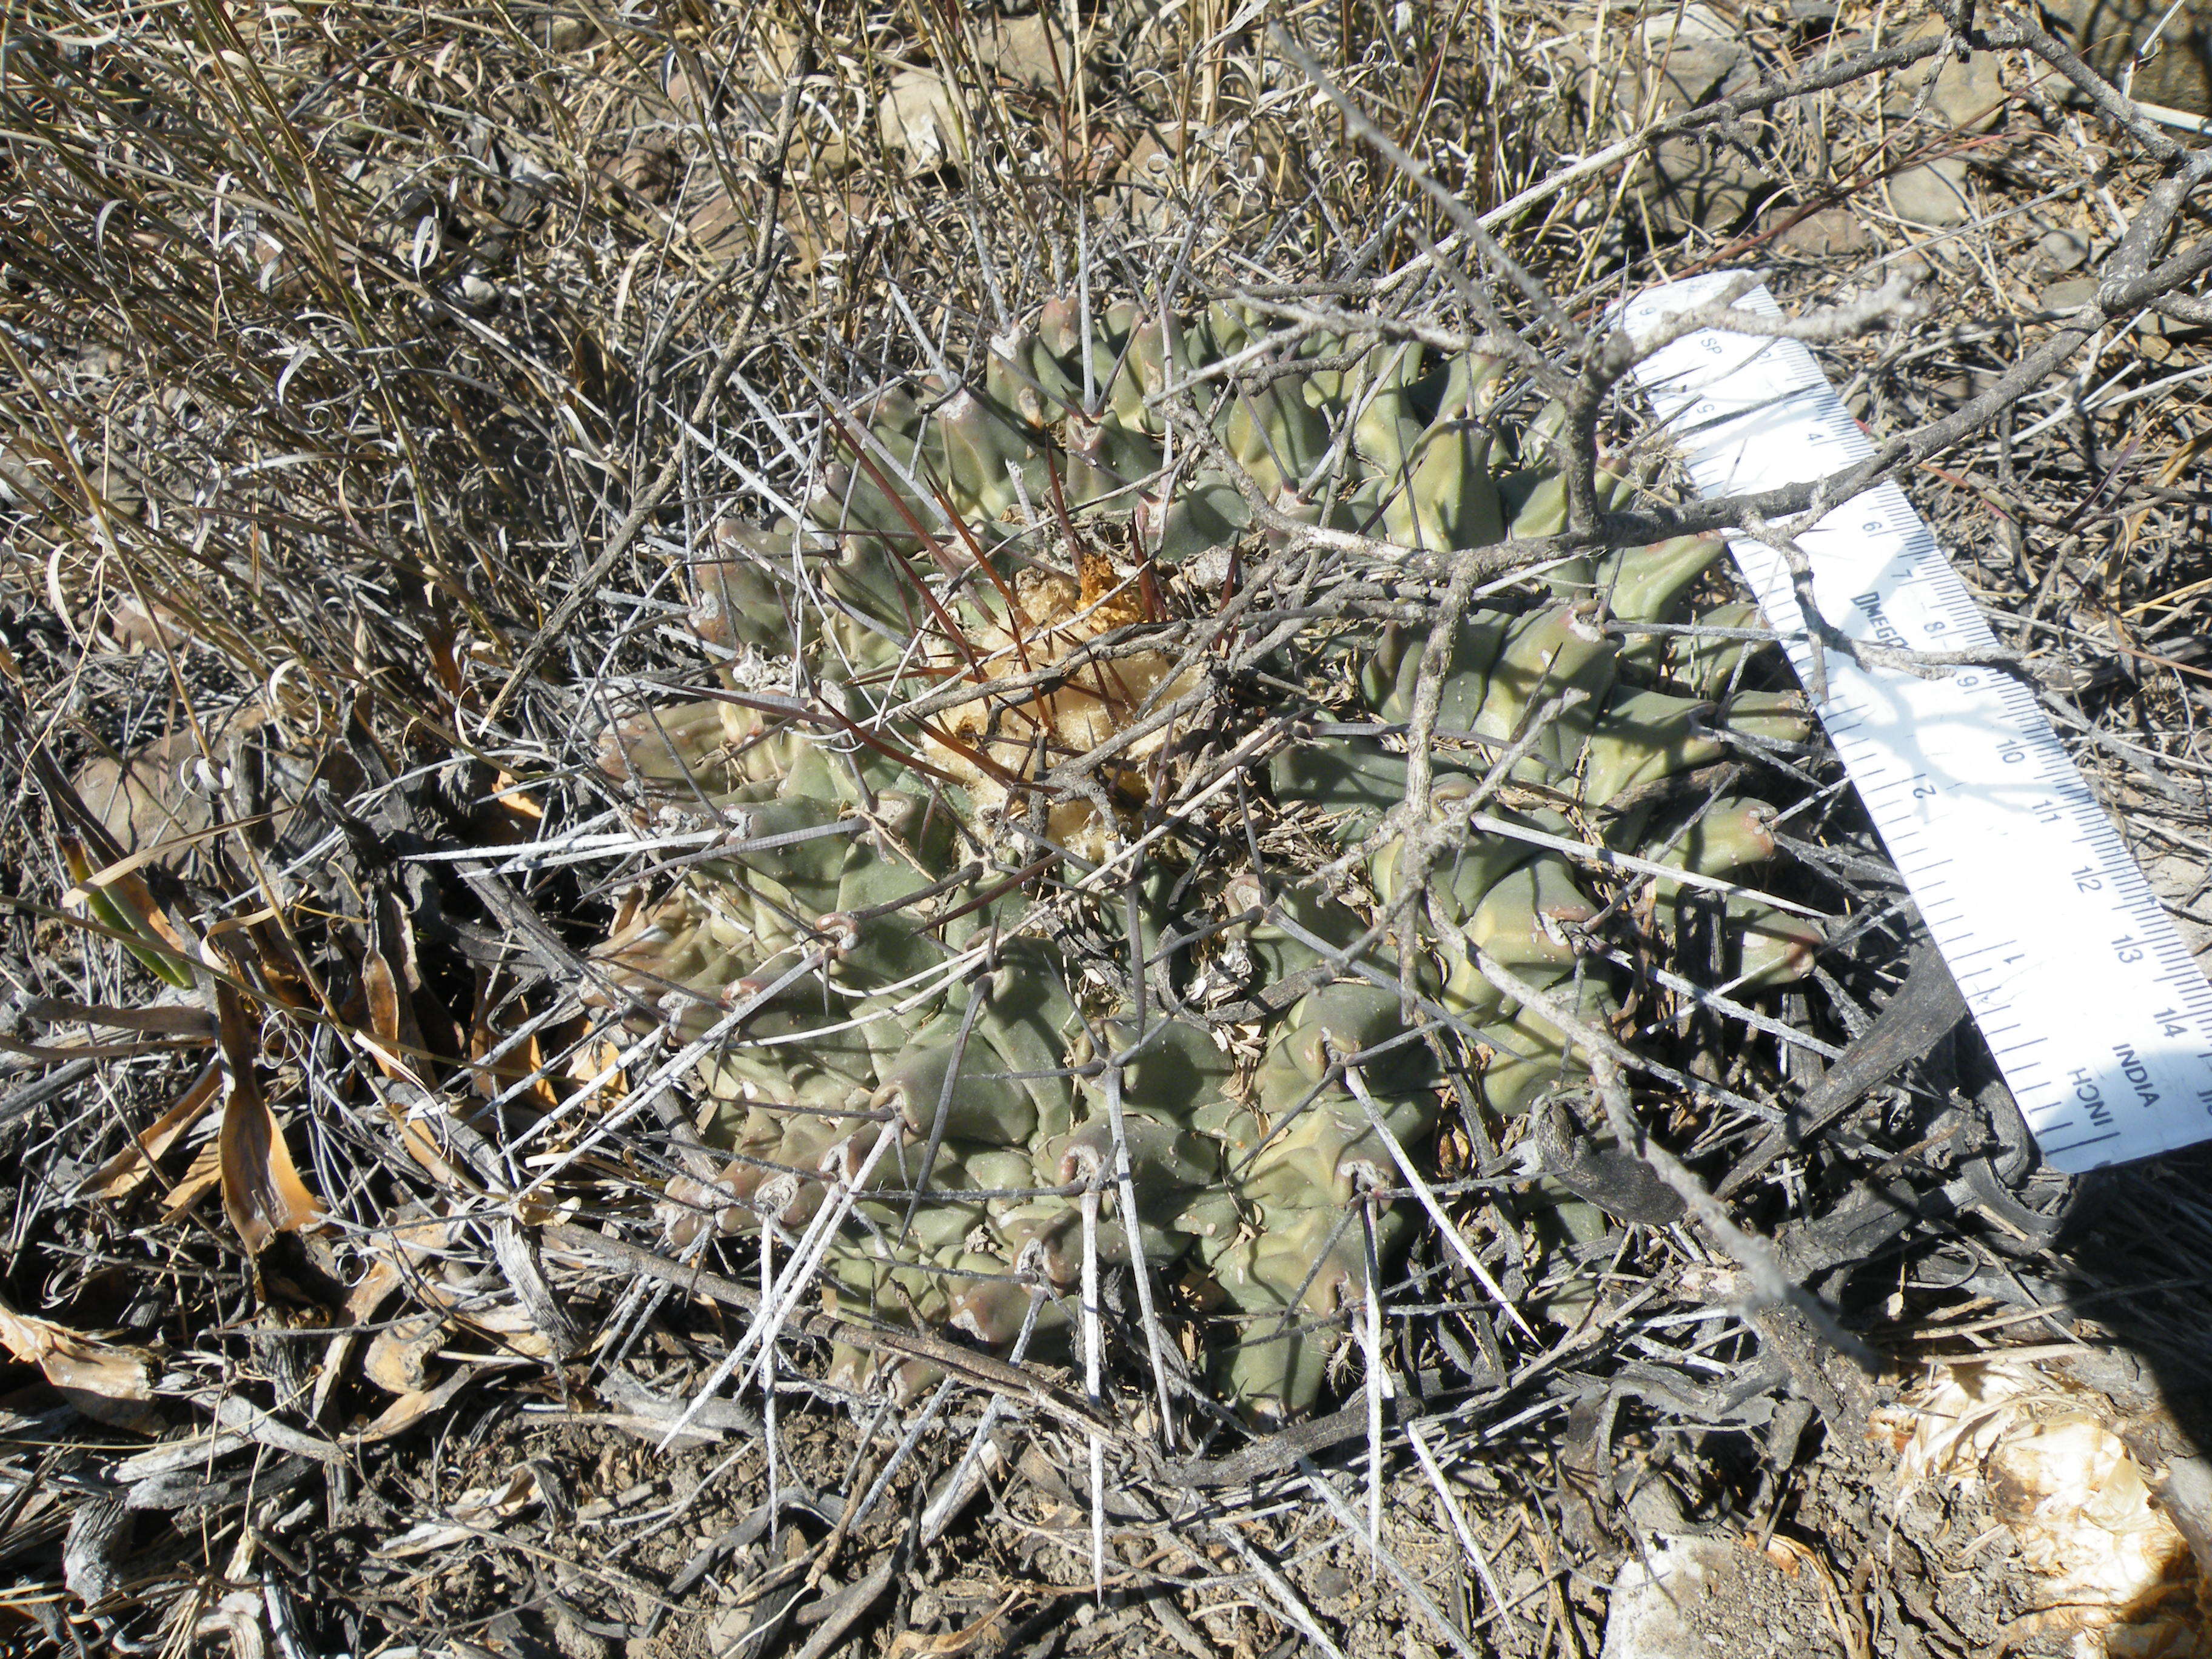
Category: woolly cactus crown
<point>968,1043</point>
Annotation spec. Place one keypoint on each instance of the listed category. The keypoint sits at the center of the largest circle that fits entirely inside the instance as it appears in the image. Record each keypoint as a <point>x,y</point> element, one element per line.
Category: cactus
<point>888,1042</point>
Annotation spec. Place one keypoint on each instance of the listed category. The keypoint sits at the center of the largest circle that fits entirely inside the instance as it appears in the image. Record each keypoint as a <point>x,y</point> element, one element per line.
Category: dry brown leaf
<point>494,1076</point>
<point>108,1382</point>
<point>380,989</point>
<point>262,1192</point>
<point>510,1328</point>
<point>398,1354</point>
<point>594,1060</point>
<point>409,1409</point>
<point>475,1511</point>
<point>382,1279</point>
<point>391,1020</point>
<point>123,1174</point>
<point>508,791</point>
<point>958,1642</point>
<point>238,1616</point>
<point>204,1173</point>
<point>131,887</point>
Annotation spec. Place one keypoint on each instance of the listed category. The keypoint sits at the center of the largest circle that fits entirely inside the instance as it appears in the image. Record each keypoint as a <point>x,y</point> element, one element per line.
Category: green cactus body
<point>910,1021</point>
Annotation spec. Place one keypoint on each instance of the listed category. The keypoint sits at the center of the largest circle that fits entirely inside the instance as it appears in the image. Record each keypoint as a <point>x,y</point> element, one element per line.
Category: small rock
<point>717,225</point>
<point>568,32</point>
<point>646,169</point>
<point>1652,1596</point>
<point>1695,68</point>
<point>2062,250</point>
<point>727,1634</point>
<point>1697,22</point>
<point>133,627</point>
<point>23,477</point>
<point>1332,1583</point>
<point>1701,178</point>
<point>918,118</point>
<point>1934,195</point>
<point>2177,75</point>
<point>1706,182</point>
<point>1970,96</point>
<point>1032,51</point>
<point>100,363</point>
<point>692,99</point>
<point>1146,182</point>
<point>2064,296</point>
<point>1831,231</point>
<point>146,799</point>
<point>476,294</point>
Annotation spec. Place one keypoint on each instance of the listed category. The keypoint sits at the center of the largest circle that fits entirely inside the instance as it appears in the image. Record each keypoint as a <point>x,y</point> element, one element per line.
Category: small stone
<point>23,477</point>
<point>569,32</point>
<point>2177,75</point>
<point>1331,1583</point>
<point>1146,181</point>
<point>1971,95</point>
<point>918,118</point>
<point>2062,250</point>
<point>727,1632</point>
<point>691,98</point>
<point>2066,295</point>
<point>1934,195</point>
<point>1707,183</point>
<point>1831,231</point>
<point>717,225</point>
<point>1695,68</point>
<point>1652,1614</point>
<point>646,169</point>
<point>1701,178</point>
<point>1032,51</point>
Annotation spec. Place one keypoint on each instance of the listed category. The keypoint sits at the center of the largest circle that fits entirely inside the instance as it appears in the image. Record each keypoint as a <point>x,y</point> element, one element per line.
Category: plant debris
<point>451,455</point>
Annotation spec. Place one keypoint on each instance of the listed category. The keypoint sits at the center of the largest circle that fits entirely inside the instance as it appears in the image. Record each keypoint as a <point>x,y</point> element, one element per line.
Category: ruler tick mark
<point>2012,835</point>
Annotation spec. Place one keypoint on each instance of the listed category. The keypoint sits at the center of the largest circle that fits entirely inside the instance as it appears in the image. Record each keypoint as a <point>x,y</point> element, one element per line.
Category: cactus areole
<point>906,952</point>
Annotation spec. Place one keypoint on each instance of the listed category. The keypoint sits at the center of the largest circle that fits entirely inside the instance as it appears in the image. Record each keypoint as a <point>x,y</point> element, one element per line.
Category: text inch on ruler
<point>2098,1015</point>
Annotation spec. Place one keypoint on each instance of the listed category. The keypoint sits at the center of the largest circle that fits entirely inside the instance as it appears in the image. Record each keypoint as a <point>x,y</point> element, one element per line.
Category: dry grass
<point>369,376</point>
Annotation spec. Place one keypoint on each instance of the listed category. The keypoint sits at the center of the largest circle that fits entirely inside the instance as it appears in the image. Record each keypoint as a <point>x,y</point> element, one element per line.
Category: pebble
<point>2063,250</point>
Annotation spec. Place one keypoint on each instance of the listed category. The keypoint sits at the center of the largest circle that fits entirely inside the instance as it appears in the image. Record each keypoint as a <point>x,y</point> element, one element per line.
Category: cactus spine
<point>892,1043</point>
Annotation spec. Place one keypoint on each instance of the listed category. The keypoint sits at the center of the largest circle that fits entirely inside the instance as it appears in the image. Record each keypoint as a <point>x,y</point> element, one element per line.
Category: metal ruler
<point>2093,1006</point>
